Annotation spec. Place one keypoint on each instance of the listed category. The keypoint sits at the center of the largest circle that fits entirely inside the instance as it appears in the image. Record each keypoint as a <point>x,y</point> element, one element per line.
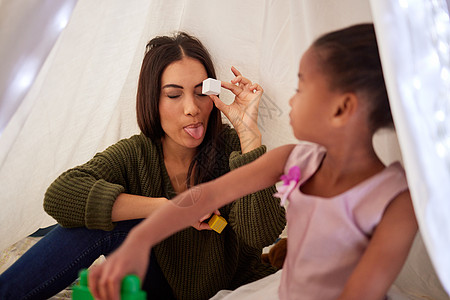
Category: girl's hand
<point>243,112</point>
<point>130,258</point>
<point>200,225</point>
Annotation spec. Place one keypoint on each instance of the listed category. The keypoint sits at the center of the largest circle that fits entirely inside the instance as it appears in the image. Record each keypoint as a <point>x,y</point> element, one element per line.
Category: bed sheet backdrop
<point>83,97</point>
<point>414,38</point>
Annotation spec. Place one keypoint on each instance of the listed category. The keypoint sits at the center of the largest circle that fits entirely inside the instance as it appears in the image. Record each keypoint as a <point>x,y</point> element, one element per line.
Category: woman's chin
<point>191,142</point>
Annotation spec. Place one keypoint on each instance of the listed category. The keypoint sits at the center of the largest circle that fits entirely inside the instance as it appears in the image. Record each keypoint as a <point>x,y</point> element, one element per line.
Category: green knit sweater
<point>195,263</point>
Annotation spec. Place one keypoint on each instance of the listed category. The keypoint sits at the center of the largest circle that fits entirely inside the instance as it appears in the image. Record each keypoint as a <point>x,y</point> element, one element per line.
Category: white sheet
<point>414,40</point>
<point>83,99</point>
<point>411,285</point>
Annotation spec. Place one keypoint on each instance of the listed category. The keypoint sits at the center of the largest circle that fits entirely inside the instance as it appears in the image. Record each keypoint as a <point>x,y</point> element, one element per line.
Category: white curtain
<point>27,34</point>
<point>83,97</point>
<point>414,38</point>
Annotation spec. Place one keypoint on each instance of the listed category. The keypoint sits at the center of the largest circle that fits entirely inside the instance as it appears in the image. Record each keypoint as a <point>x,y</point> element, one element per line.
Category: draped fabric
<point>82,98</point>
<point>414,41</point>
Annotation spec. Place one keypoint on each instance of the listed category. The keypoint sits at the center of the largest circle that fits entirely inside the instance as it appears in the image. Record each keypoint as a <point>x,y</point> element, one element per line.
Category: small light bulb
<point>403,3</point>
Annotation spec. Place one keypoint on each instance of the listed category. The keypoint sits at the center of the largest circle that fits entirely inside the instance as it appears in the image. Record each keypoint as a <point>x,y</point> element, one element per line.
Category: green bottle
<point>130,289</point>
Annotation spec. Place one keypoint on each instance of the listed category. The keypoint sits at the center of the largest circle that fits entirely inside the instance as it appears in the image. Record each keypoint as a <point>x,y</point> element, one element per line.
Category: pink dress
<point>327,236</point>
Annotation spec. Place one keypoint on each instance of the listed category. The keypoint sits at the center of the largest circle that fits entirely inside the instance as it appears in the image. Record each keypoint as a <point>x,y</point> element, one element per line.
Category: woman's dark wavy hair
<point>161,51</point>
<point>351,61</point>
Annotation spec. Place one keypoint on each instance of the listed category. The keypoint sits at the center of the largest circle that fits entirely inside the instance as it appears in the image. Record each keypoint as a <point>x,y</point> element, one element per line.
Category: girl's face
<point>311,111</point>
<point>183,109</point>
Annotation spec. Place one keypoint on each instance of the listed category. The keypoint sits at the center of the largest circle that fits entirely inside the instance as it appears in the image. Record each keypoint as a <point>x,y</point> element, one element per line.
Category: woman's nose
<point>190,106</point>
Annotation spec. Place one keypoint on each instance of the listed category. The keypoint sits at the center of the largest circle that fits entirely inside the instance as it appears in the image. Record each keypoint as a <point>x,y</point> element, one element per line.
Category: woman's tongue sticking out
<point>195,130</point>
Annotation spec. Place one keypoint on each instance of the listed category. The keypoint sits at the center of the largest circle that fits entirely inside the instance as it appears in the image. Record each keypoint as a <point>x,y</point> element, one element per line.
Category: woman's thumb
<point>218,103</point>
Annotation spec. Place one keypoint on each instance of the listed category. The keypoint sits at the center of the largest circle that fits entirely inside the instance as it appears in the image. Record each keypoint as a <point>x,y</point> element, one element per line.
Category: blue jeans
<point>53,263</point>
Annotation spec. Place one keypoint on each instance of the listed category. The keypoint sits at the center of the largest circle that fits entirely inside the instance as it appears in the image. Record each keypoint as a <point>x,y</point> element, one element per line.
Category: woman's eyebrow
<point>172,86</point>
<point>179,86</point>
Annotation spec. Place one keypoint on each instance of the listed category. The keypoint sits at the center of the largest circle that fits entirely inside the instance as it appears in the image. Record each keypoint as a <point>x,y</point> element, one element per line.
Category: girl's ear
<point>345,108</point>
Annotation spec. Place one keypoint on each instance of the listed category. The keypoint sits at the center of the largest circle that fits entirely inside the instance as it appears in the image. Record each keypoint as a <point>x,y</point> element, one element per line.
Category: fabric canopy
<point>83,98</point>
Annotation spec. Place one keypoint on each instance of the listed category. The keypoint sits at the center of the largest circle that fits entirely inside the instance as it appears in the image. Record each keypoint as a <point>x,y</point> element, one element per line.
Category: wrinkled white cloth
<point>83,98</point>
<point>265,288</point>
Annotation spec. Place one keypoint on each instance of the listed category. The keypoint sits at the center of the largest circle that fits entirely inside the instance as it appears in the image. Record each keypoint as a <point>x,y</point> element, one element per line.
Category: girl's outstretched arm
<point>386,253</point>
<point>183,211</point>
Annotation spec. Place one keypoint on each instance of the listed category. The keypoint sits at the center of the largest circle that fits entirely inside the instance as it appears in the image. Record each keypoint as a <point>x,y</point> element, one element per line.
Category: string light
<point>403,3</point>
<point>42,29</point>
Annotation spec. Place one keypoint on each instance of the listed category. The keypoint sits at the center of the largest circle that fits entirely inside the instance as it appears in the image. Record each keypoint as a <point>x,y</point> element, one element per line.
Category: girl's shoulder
<point>388,183</point>
<point>307,156</point>
<point>307,148</point>
<point>375,194</point>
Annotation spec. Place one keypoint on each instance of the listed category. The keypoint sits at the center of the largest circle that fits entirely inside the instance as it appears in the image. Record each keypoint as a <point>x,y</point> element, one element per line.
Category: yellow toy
<point>217,223</point>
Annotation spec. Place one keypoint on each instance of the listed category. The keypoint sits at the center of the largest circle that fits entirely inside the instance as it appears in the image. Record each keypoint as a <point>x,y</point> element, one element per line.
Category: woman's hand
<point>130,258</point>
<point>243,112</point>
<point>201,225</point>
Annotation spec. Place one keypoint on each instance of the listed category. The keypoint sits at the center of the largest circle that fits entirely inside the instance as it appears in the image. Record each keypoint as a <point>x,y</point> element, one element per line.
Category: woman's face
<point>183,109</point>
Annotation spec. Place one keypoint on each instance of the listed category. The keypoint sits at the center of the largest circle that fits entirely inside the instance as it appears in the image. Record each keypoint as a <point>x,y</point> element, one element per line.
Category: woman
<point>183,142</point>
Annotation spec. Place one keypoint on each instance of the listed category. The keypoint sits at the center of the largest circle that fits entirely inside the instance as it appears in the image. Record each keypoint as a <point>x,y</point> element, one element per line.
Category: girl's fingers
<point>93,280</point>
<point>103,283</point>
<point>114,288</point>
<point>102,288</point>
<point>111,285</point>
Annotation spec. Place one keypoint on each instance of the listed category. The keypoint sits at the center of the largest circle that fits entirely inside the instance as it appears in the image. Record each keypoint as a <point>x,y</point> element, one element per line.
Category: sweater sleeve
<point>257,218</point>
<point>84,195</point>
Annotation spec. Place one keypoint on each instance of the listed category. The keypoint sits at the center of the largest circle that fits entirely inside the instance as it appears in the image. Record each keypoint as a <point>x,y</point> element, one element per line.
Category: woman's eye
<point>202,95</point>
<point>173,96</point>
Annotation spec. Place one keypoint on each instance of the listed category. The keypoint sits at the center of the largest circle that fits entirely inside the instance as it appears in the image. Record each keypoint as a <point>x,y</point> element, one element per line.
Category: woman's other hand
<point>201,225</point>
<point>243,112</point>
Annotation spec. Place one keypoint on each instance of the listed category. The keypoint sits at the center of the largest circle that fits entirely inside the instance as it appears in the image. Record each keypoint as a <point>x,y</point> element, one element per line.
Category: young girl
<point>350,218</point>
<point>183,142</point>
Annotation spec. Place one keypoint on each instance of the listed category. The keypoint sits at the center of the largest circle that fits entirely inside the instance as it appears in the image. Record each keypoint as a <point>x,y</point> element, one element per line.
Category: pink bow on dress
<point>289,182</point>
